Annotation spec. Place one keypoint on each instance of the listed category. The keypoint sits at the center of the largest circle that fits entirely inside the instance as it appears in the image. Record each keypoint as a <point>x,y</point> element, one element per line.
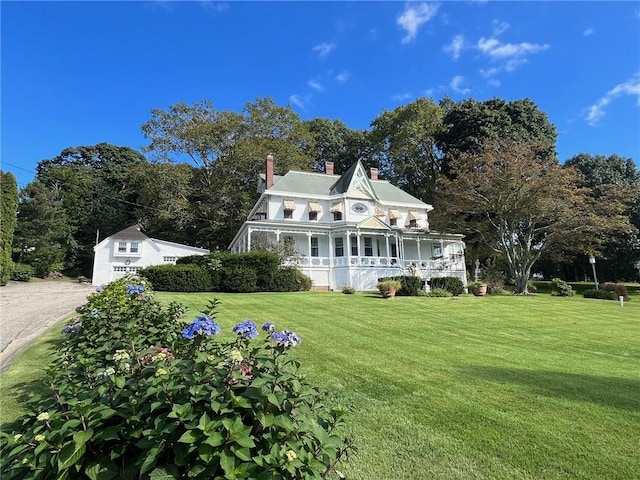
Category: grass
<point>500,387</point>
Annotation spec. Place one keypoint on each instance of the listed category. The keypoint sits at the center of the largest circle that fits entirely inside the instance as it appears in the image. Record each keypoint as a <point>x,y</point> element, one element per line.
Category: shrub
<point>495,286</point>
<point>348,289</point>
<point>601,294</point>
<point>137,394</point>
<point>619,289</point>
<point>22,272</point>
<point>452,284</point>
<point>387,286</point>
<point>561,288</point>
<point>440,292</point>
<point>289,279</point>
<point>238,280</point>
<point>178,278</point>
<point>409,285</point>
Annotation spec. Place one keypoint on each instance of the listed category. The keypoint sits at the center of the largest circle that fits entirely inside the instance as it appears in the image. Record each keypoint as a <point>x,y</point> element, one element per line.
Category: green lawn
<point>503,387</point>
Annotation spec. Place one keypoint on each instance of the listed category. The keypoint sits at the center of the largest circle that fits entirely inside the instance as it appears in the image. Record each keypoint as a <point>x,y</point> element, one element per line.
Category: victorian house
<point>350,229</point>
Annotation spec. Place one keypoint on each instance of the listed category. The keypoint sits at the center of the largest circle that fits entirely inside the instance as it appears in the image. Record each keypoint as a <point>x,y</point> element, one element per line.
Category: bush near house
<point>178,278</point>
<point>241,273</point>
<point>452,284</point>
<point>135,393</point>
<point>409,285</point>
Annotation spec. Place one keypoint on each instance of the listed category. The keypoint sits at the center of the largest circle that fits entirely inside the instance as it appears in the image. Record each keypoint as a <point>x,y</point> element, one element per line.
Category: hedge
<point>452,284</point>
<point>178,278</point>
<point>410,285</point>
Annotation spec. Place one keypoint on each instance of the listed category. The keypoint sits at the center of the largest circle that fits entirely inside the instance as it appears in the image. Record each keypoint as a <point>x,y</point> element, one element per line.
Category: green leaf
<point>119,381</point>
<point>242,453</point>
<point>164,473</point>
<point>206,452</point>
<point>215,439</point>
<point>227,461</point>
<point>150,459</point>
<point>190,436</point>
<point>70,454</point>
<point>83,436</point>
<point>245,441</point>
<point>101,468</point>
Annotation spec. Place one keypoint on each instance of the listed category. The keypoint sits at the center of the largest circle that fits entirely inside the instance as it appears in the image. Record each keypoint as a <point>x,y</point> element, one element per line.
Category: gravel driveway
<point>28,309</point>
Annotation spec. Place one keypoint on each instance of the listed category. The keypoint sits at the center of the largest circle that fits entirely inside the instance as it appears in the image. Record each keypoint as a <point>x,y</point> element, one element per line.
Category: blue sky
<point>81,73</point>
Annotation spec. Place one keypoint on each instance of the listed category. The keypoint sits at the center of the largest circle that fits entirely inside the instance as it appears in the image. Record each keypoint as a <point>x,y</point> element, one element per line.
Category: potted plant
<point>388,288</point>
<point>478,288</point>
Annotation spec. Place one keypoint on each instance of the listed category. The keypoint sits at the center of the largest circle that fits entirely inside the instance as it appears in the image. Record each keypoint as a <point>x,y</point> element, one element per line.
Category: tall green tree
<point>404,146</point>
<point>43,233</point>
<point>334,142</point>
<point>614,180</point>
<point>229,149</point>
<point>8,210</point>
<point>94,185</point>
<point>521,203</point>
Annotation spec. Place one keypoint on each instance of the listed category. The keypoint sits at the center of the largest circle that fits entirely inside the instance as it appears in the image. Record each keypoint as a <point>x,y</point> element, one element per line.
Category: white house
<point>350,229</point>
<point>131,250</point>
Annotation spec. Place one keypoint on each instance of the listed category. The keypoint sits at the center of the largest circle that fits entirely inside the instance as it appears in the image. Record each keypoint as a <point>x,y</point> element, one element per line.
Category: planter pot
<point>389,294</point>
<point>479,291</point>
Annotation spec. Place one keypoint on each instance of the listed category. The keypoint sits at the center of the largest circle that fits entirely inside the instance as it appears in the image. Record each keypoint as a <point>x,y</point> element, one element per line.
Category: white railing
<point>426,267</point>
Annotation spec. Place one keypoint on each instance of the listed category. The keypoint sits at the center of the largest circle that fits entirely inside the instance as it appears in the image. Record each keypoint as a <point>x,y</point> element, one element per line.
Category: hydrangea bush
<point>137,394</point>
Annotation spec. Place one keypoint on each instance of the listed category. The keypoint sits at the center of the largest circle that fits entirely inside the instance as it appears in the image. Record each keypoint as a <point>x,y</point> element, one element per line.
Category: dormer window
<point>337,209</point>
<point>413,223</point>
<point>314,209</point>
<point>122,247</point>
<point>393,222</point>
<point>288,206</point>
<point>135,246</point>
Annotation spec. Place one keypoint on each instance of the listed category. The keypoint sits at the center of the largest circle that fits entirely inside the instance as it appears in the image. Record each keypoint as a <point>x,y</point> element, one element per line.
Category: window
<point>368,247</point>
<point>413,223</point>
<point>169,259</point>
<point>288,214</point>
<point>134,247</point>
<point>122,247</point>
<point>337,216</point>
<point>339,247</point>
<point>393,222</point>
<point>354,246</point>
<point>314,246</point>
<point>313,216</point>
<point>119,269</point>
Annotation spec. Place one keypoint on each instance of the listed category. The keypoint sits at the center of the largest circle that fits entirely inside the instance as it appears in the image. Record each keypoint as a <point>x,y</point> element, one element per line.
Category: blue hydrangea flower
<point>99,288</point>
<point>286,338</point>
<point>95,313</point>
<point>268,327</point>
<point>246,329</point>
<point>202,325</point>
<point>69,329</point>
<point>135,289</point>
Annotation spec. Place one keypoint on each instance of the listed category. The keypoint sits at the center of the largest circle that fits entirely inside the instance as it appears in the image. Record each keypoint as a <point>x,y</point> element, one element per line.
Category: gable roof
<point>130,233</point>
<point>320,184</point>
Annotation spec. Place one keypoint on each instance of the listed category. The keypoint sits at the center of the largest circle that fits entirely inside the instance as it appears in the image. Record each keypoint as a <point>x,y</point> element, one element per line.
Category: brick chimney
<point>269,171</point>
<point>373,173</point>
<point>328,168</point>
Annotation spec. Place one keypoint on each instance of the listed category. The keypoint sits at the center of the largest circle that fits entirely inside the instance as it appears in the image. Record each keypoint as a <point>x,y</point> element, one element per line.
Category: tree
<point>334,142</point>
<point>94,186</point>
<point>468,124</point>
<point>229,150</point>
<point>404,147</point>
<point>8,209</point>
<point>43,233</point>
<point>614,180</point>
<point>521,203</point>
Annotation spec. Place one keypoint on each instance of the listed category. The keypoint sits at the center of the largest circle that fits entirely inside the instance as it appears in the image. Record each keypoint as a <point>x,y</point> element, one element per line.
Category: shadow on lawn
<point>606,391</point>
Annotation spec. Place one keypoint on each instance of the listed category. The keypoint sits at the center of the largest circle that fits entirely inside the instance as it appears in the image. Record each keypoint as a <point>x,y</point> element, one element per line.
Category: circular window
<point>359,208</point>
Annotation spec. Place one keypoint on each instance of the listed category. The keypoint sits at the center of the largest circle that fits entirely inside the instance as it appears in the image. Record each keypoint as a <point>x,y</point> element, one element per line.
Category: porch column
<point>309,247</point>
<point>331,252</point>
<point>248,239</point>
<point>386,239</point>
<point>419,255</point>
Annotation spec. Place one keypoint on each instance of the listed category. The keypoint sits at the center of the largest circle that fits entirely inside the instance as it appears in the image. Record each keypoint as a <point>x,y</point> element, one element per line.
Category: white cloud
<point>315,85</point>
<point>499,27</point>
<point>630,87</point>
<point>497,50</point>
<point>401,97</point>
<point>493,82</point>
<point>217,7</point>
<point>588,32</point>
<point>456,85</point>
<point>414,16</point>
<point>455,47</point>
<point>428,93</point>
<point>297,100</point>
<point>491,72</point>
<point>323,49</point>
<point>342,77</point>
